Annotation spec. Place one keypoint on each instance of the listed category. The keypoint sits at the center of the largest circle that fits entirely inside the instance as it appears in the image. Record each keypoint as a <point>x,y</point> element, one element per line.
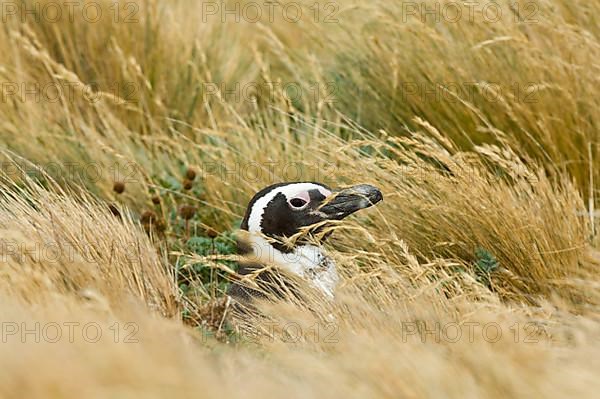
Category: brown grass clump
<point>58,244</point>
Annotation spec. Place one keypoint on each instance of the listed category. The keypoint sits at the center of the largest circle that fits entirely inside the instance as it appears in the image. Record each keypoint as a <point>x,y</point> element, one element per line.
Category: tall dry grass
<point>462,176</point>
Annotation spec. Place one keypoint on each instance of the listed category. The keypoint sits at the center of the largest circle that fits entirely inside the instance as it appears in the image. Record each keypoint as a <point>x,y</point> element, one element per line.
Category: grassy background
<point>121,196</point>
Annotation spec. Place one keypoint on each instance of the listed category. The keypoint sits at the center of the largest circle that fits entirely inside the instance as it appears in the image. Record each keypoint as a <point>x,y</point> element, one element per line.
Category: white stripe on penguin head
<point>258,208</point>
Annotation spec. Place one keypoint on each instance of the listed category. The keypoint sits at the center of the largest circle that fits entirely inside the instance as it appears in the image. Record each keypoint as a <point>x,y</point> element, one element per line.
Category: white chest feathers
<point>307,261</point>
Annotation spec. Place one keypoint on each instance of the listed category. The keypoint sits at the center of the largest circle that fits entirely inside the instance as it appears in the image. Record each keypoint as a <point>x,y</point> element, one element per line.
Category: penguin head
<point>282,210</point>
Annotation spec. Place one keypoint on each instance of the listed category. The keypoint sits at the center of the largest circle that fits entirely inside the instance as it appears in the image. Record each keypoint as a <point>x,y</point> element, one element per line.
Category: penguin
<point>282,211</point>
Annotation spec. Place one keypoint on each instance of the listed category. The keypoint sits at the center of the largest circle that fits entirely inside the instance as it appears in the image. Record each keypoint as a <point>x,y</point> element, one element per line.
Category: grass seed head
<point>148,217</point>
<point>187,212</point>
<point>119,187</point>
<point>190,173</point>
<point>187,184</point>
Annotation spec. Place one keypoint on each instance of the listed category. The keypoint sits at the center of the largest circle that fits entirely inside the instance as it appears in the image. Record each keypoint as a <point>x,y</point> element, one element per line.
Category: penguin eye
<point>298,203</point>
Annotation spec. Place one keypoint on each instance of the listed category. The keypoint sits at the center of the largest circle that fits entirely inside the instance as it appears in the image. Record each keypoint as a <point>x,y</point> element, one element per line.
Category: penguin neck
<point>310,262</point>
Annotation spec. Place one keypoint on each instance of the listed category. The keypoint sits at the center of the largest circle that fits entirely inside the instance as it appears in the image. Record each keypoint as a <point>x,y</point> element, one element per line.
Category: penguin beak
<point>347,201</point>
